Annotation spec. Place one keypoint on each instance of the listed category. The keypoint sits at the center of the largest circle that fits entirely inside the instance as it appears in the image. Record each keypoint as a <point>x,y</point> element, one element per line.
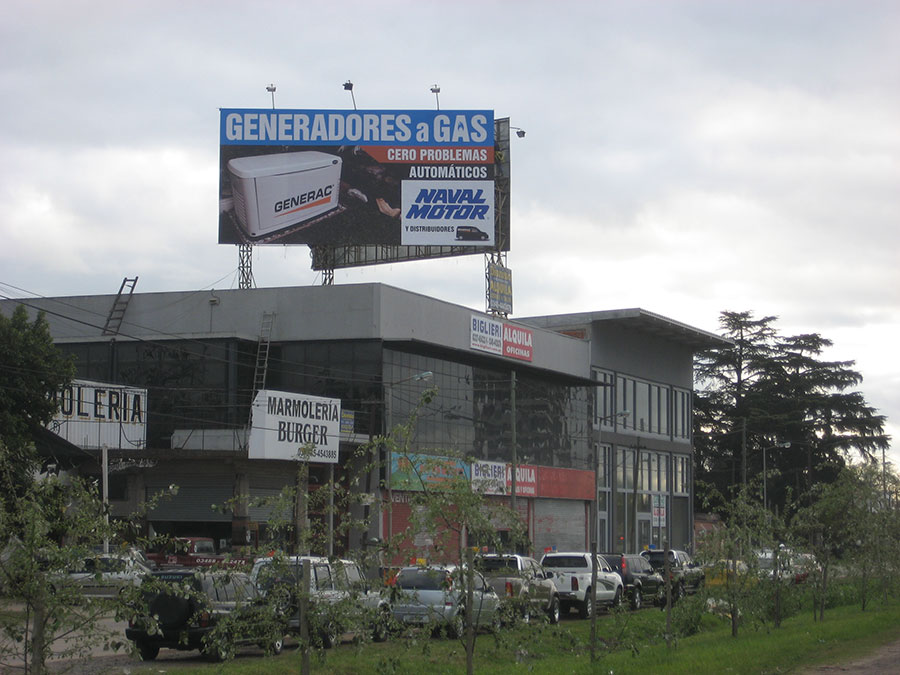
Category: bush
<point>687,615</point>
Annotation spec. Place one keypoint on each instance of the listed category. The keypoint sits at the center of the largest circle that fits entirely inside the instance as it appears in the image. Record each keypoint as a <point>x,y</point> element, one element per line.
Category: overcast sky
<point>683,157</point>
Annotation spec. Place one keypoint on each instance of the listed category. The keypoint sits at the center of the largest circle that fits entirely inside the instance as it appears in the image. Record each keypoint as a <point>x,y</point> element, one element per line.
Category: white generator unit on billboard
<point>278,191</point>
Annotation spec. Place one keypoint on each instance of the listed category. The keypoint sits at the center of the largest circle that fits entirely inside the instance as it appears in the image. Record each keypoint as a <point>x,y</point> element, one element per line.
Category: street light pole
<point>514,458</point>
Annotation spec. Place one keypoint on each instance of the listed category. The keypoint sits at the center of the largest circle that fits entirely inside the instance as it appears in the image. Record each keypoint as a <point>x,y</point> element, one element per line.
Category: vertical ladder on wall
<point>120,304</point>
<point>262,363</point>
<point>262,351</point>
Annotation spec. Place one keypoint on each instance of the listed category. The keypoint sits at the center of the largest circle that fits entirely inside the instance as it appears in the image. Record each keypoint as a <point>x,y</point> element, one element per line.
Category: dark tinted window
<point>323,577</point>
<point>423,579</point>
<point>500,564</point>
<point>565,561</point>
<point>614,561</point>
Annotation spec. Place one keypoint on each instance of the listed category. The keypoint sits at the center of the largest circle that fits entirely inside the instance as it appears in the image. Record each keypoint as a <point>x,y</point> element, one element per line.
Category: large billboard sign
<point>285,425</point>
<point>94,414</point>
<point>357,177</point>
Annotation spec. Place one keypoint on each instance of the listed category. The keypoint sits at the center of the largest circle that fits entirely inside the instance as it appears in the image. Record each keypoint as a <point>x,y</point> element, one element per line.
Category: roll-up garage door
<point>199,488</point>
<point>265,486</point>
<point>560,523</point>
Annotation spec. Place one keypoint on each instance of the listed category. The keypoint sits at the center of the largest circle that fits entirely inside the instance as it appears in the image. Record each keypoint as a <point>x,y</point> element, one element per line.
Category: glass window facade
<point>471,411</point>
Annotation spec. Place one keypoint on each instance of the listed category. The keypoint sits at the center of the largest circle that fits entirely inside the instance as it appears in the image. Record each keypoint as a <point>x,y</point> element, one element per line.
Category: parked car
<point>574,573</point>
<point>342,598</point>
<point>794,567</point>
<point>642,582</point>
<point>434,595</point>
<point>686,576</point>
<point>522,583</point>
<point>729,572</point>
<point>213,611</point>
<point>106,574</point>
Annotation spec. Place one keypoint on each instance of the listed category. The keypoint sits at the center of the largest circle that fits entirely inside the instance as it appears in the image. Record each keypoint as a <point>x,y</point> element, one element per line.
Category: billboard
<point>94,414</point>
<point>341,256</point>
<point>284,425</point>
<point>357,177</point>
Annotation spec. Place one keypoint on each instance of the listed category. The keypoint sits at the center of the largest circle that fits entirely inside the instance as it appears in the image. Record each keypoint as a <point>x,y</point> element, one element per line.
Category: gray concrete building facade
<point>567,380</point>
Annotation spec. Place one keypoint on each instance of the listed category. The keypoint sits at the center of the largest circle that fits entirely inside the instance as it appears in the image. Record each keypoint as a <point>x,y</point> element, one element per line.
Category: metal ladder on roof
<point>120,304</point>
<point>262,363</point>
<point>262,352</point>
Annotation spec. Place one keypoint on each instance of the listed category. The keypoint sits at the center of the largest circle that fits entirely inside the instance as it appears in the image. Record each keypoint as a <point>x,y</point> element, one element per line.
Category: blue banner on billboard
<point>357,177</point>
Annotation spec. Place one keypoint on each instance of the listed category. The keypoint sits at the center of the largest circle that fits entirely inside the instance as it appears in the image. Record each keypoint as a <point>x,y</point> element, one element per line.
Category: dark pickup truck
<point>686,575</point>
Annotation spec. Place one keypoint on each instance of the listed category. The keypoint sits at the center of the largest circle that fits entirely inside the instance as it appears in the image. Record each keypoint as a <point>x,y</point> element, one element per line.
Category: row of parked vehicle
<point>183,607</point>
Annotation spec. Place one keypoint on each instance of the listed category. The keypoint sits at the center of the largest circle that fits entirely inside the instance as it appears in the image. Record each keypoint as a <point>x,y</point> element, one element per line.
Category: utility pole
<point>515,459</point>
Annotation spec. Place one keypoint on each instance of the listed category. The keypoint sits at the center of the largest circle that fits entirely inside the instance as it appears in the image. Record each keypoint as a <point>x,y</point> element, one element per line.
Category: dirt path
<point>884,661</point>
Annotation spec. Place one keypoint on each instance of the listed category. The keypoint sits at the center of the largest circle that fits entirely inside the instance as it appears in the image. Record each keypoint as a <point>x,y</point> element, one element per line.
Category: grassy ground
<point>637,638</point>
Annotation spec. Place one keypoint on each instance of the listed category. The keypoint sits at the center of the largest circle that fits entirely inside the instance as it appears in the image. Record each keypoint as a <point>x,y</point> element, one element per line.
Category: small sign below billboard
<point>286,425</point>
<point>500,295</point>
<point>94,414</point>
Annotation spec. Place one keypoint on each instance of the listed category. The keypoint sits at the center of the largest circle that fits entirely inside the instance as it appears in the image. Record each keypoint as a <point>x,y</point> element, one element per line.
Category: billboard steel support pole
<point>245,266</point>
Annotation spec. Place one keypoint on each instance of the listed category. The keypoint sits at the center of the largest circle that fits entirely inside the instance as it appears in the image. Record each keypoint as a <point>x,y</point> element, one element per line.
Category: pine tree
<point>773,399</point>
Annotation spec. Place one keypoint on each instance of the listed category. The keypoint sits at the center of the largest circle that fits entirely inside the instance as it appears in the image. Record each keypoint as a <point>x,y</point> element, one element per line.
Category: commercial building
<point>548,395</point>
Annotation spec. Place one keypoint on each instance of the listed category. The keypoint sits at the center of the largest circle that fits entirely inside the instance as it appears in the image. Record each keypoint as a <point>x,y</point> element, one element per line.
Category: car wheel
<point>330,636</point>
<point>617,599</point>
<point>679,592</point>
<point>587,607</point>
<point>215,652</point>
<point>148,652</point>
<point>380,629</point>
<point>526,615</point>
<point>553,613</point>
<point>458,625</point>
<point>637,599</point>
<point>277,646</point>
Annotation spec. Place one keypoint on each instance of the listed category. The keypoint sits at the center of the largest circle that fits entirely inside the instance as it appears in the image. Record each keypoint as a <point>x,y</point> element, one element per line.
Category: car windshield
<point>565,561</point>
<point>500,564</point>
<point>658,558</point>
<point>423,579</point>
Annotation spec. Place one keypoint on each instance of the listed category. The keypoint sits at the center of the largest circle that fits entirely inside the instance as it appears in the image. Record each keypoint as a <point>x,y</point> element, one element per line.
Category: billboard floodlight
<point>520,132</point>
<point>271,90</point>
<point>348,86</point>
<point>436,90</point>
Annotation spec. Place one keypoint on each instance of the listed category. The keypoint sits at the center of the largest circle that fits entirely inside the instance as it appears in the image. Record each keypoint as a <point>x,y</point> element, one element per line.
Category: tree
<point>53,527</point>
<point>32,371</point>
<point>769,392</point>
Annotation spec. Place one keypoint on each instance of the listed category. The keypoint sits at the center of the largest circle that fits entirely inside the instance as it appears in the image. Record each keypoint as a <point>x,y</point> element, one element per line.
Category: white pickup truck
<point>573,573</point>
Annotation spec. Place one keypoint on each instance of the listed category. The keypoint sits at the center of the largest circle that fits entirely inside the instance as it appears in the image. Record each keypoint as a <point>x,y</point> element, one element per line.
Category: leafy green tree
<point>731,554</point>
<point>54,526</point>
<point>32,371</point>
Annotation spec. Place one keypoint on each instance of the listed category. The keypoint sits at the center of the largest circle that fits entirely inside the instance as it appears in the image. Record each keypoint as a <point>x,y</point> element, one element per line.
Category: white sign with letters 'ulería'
<point>94,414</point>
<point>295,426</point>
